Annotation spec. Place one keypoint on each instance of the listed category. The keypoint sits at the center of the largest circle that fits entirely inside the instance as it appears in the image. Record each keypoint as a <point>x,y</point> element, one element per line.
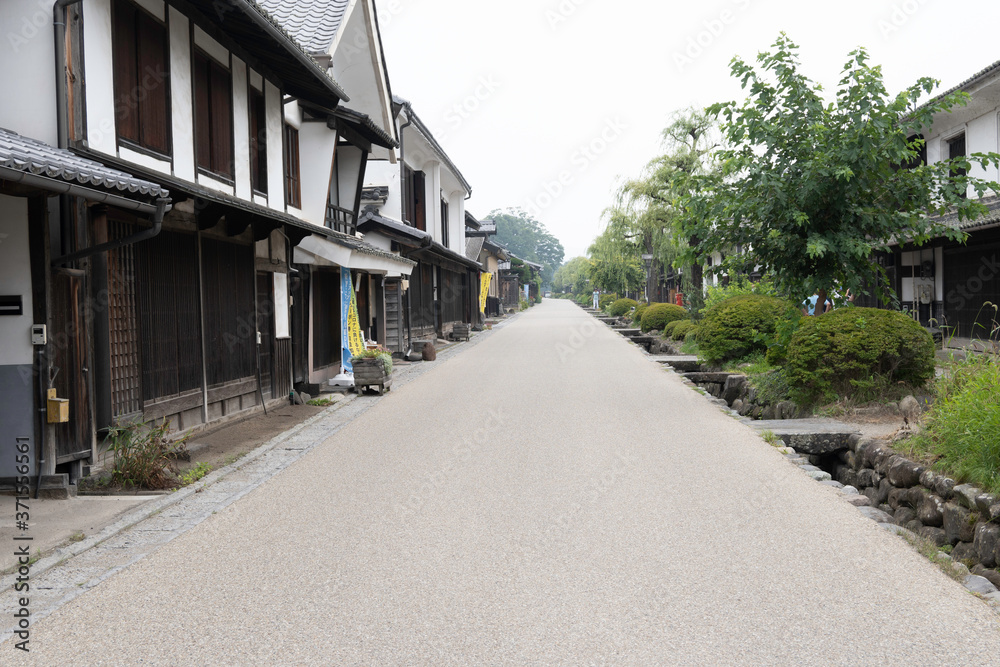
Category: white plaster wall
<point>432,195</point>
<point>28,60</point>
<point>382,172</point>
<point>357,67</point>
<point>316,145</point>
<point>379,241</point>
<point>100,76</point>
<point>241,130</point>
<point>349,163</point>
<point>181,97</point>
<point>275,168</point>
<point>15,278</point>
<point>456,222</point>
<point>981,137</point>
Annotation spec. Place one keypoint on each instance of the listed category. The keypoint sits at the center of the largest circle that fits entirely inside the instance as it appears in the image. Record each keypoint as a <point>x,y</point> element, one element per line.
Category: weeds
<point>196,473</point>
<point>962,429</point>
<point>771,439</point>
<point>143,453</point>
<point>320,402</point>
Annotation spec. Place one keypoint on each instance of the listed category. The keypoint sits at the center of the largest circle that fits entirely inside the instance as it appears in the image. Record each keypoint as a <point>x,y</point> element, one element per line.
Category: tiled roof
<point>991,217</point>
<point>474,246</point>
<point>313,23</point>
<point>972,79</point>
<point>354,243</point>
<point>40,159</point>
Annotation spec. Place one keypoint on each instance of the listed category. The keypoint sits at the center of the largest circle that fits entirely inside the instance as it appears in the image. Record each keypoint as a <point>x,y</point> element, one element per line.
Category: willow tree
<point>810,189</point>
<point>615,267</point>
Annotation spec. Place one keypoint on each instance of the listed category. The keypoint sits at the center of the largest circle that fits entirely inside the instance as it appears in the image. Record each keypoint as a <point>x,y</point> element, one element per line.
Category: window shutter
<point>152,81</point>
<point>222,120</point>
<point>126,109</point>
<point>202,112</point>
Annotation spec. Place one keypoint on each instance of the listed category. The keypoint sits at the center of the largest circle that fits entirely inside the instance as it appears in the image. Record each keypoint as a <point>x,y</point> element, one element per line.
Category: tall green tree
<point>528,239</point>
<point>646,208</point>
<point>615,266</point>
<point>573,276</point>
<point>811,189</point>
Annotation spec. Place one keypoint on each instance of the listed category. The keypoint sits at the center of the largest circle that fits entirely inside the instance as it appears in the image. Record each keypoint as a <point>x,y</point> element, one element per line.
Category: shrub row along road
<point>549,496</point>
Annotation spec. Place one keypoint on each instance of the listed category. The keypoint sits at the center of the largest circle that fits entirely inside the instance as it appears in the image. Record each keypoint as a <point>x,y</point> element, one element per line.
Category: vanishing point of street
<point>549,495</point>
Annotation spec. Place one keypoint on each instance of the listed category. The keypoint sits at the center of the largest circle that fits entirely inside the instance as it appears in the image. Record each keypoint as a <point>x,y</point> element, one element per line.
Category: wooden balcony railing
<point>341,219</point>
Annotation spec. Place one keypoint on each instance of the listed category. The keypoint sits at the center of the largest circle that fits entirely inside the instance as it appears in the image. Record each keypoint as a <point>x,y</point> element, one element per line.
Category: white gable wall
<point>28,65</point>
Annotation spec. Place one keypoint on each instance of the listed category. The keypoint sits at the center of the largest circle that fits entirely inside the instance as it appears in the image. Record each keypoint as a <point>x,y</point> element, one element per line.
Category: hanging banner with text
<point>346,298</point>
<point>484,281</point>
<point>355,339</point>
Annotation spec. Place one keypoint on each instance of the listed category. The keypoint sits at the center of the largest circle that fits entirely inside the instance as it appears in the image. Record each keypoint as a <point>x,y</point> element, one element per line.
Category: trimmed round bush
<point>657,316</point>
<point>639,310</point>
<point>622,307</point>
<point>681,329</point>
<point>850,349</point>
<point>606,300</point>
<point>739,325</point>
<point>668,331</point>
<point>692,336</point>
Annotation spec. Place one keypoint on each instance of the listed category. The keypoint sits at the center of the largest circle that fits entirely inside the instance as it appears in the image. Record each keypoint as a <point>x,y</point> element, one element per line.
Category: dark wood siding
<point>141,78</point>
<point>231,336</point>
<point>326,318</point>
<point>394,325</point>
<point>971,278</point>
<point>265,325</point>
<point>452,297</point>
<point>168,315</point>
<point>416,214</point>
<point>422,296</point>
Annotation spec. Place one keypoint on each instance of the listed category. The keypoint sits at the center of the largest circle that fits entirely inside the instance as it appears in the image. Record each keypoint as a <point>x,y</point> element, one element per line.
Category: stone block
<point>965,495</point>
<point>885,460</point>
<point>875,514</point>
<point>994,513</point>
<point>992,575</point>
<point>935,535</point>
<point>897,498</point>
<point>984,501</point>
<point>927,479</point>
<point>987,537</point>
<point>964,551</point>
<point>904,515</point>
<point>914,526</point>
<point>943,486</point>
<point>904,473</point>
<point>733,388</point>
<point>846,476</point>
<point>980,585</point>
<point>931,511</point>
<point>957,524</point>
<point>858,501</point>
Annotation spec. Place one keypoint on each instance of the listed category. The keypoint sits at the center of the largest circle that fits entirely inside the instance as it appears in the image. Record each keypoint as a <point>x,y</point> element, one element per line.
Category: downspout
<point>402,205</point>
<point>161,209</point>
<point>62,121</point>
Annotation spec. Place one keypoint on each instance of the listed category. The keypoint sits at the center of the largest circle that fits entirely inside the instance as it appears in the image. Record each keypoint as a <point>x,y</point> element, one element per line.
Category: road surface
<point>548,496</point>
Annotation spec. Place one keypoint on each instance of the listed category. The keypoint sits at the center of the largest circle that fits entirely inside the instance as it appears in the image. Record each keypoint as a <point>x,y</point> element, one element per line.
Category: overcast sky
<point>548,104</point>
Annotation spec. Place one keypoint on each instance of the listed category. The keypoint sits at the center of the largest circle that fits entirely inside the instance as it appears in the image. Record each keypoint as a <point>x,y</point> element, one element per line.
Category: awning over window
<point>320,251</point>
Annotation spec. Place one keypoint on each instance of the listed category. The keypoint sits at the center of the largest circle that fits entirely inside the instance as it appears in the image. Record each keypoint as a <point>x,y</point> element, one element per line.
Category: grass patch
<point>771,439</point>
<point>78,536</point>
<point>320,402</point>
<point>143,454</point>
<point>961,432</point>
<point>770,381</point>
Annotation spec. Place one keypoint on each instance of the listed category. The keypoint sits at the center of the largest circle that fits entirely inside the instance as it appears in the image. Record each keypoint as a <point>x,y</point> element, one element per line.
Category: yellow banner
<point>484,280</point>
<point>354,337</point>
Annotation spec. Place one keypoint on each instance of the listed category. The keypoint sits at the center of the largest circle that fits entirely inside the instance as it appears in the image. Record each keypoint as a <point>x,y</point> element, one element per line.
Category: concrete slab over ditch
<point>811,436</point>
<point>683,363</point>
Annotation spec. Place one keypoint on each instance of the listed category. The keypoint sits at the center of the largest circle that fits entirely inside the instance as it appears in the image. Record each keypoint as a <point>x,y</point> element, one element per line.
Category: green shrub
<point>657,316</point>
<point>849,350</point>
<point>737,287</point>
<point>668,331</point>
<point>681,329</point>
<point>605,300</point>
<point>739,325</point>
<point>639,310</point>
<point>622,307</point>
<point>143,454</point>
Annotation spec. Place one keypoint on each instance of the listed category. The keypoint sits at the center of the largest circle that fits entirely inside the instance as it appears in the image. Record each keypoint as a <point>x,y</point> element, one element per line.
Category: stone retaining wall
<point>926,503</point>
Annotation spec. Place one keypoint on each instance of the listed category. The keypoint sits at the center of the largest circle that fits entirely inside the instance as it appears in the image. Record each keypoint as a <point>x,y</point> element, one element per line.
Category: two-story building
<point>188,151</point>
<point>945,283</point>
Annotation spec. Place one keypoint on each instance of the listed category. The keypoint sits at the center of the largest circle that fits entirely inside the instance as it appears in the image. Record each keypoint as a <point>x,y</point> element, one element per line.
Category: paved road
<point>549,496</point>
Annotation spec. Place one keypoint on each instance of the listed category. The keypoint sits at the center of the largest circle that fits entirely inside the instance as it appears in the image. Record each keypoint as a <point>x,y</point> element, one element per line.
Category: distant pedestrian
<point>597,298</point>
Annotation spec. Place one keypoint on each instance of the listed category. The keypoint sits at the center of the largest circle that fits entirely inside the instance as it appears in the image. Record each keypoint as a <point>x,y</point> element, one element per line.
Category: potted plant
<point>373,368</point>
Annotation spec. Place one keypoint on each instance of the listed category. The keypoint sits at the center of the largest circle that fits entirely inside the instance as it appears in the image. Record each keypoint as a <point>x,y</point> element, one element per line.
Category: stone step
<point>810,436</point>
<point>702,376</point>
<point>683,363</point>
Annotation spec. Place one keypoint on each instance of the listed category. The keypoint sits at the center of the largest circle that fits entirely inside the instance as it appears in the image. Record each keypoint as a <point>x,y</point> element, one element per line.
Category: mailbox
<point>57,409</point>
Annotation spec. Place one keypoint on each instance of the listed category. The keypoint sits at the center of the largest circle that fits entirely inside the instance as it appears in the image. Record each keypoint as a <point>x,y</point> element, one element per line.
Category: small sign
<point>11,304</point>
